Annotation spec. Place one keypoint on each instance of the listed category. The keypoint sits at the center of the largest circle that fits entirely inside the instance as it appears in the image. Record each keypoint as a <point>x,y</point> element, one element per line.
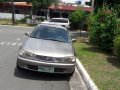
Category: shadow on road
<point>26,74</point>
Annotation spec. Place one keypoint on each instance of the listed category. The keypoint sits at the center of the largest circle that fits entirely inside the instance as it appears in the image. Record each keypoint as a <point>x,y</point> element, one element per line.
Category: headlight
<point>65,60</point>
<point>25,54</point>
<point>69,59</point>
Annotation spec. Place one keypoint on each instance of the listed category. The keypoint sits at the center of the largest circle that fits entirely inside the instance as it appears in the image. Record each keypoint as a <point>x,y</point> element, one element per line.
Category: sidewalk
<point>76,82</point>
<point>75,34</point>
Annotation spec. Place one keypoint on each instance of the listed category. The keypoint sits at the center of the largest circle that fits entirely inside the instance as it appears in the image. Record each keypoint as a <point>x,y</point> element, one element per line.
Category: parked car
<point>48,49</point>
<point>59,21</point>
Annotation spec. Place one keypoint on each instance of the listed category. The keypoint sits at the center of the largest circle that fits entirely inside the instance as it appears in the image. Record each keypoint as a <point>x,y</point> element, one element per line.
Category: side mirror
<point>27,34</point>
<point>73,40</point>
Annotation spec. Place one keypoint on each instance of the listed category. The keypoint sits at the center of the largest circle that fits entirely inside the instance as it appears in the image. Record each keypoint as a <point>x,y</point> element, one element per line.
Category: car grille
<point>47,59</point>
<point>32,67</point>
<point>59,70</point>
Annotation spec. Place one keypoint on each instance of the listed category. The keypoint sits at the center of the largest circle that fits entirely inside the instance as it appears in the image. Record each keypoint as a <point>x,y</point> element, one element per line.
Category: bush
<point>104,27</point>
<point>78,19</point>
<point>23,20</point>
<point>117,46</point>
<point>40,19</point>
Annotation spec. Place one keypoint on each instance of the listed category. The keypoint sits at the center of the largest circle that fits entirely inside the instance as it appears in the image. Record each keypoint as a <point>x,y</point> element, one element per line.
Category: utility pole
<point>103,2</point>
<point>92,5</point>
<point>78,5</point>
<point>48,14</point>
<point>13,12</point>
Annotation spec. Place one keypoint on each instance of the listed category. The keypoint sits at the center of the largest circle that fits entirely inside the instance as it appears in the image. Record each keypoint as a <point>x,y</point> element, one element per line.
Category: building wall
<point>20,10</point>
<point>23,10</point>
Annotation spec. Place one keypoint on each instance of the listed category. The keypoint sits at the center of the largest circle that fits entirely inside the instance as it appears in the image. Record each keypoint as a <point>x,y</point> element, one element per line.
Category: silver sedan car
<point>48,49</point>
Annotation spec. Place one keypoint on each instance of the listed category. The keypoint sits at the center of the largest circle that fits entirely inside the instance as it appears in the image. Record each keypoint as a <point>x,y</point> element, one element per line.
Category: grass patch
<point>9,22</point>
<point>5,22</point>
<point>26,25</point>
<point>103,68</point>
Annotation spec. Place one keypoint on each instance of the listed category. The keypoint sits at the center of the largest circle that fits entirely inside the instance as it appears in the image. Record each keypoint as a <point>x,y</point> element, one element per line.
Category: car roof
<point>52,25</point>
<point>60,18</point>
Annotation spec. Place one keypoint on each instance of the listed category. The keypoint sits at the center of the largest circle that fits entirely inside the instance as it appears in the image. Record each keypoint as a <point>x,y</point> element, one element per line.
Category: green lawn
<point>103,68</point>
<point>5,22</point>
<point>9,22</point>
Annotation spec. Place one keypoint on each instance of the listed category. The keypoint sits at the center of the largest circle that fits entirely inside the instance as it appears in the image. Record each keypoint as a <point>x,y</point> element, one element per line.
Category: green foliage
<point>23,20</point>
<point>117,46</point>
<point>78,19</point>
<point>99,3</point>
<point>111,3</point>
<point>88,3</point>
<point>40,19</point>
<point>103,27</point>
<point>117,8</point>
<point>43,3</point>
<point>37,3</point>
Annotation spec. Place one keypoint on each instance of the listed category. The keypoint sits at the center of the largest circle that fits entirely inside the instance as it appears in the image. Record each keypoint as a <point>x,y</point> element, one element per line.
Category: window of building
<point>17,11</point>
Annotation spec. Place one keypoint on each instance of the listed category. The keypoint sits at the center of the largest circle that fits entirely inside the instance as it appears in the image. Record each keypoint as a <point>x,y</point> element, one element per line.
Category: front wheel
<point>71,74</point>
<point>18,67</point>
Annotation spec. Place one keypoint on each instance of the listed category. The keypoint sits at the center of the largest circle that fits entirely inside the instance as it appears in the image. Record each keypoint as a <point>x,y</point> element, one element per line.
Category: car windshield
<point>51,33</point>
<point>59,20</point>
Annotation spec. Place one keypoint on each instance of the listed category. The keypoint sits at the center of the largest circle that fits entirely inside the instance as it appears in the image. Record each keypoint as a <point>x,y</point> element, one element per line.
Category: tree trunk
<point>31,12</point>
<point>13,12</point>
<point>48,14</point>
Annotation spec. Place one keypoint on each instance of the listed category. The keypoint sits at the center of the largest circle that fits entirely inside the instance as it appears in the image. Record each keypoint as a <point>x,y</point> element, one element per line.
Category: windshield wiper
<point>53,39</point>
<point>35,37</point>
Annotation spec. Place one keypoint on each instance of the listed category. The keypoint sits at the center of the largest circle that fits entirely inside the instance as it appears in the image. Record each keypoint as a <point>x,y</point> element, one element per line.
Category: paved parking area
<point>12,79</point>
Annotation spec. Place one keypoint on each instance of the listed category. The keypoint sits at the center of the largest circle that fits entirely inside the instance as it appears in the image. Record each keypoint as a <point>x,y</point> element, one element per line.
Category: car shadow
<point>32,75</point>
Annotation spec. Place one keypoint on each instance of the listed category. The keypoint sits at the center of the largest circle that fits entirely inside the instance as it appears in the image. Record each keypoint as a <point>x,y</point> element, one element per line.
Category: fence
<point>9,16</point>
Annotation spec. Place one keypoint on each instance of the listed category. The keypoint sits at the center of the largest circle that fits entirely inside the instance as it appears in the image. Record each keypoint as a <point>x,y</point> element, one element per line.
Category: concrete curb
<point>90,84</point>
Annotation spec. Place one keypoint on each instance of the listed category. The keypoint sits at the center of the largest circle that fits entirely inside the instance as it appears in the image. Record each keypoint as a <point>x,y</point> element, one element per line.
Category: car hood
<point>48,48</point>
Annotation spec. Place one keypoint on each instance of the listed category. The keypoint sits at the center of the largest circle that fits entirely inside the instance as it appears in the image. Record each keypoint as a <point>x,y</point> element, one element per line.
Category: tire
<point>71,74</point>
<point>18,67</point>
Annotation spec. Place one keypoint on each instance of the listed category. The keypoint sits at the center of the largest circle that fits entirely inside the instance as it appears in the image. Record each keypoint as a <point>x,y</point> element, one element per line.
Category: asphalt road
<point>12,79</point>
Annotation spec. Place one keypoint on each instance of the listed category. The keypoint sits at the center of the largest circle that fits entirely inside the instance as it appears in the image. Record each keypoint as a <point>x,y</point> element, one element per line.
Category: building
<point>24,8</point>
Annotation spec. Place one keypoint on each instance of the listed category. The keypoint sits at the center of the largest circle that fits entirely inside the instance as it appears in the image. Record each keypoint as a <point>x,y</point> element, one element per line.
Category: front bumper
<point>33,65</point>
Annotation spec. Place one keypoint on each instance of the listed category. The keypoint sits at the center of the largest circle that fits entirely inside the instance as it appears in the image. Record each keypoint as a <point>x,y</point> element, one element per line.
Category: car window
<point>51,33</point>
<point>59,20</point>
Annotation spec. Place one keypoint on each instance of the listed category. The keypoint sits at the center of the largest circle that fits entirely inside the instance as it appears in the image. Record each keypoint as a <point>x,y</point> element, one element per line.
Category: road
<point>12,79</point>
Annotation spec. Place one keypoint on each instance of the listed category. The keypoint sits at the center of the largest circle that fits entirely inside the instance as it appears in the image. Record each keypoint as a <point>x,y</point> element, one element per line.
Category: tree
<point>99,3</point>
<point>37,4</point>
<point>43,3</point>
<point>88,3</point>
<point>11,7</point>
<point>78,19</point>
<point>103,28</point>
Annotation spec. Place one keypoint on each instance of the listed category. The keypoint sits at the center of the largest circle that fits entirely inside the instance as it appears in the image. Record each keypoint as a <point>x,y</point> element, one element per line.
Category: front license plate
<point>45,69</point>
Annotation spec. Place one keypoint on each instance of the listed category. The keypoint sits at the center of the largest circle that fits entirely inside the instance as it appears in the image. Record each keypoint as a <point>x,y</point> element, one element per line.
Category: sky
<point>73,1</point>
